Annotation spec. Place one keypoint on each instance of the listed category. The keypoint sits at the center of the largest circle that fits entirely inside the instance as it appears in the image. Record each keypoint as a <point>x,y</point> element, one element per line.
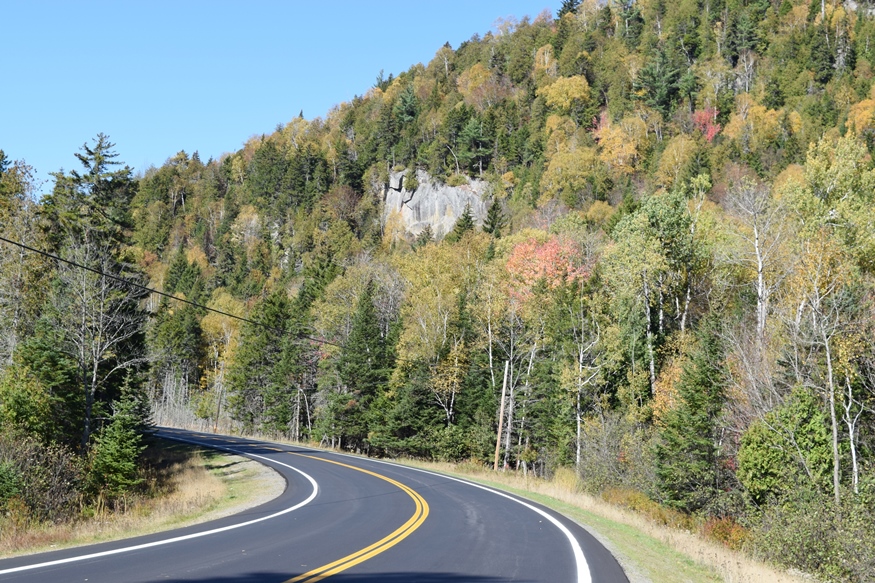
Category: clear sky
<point>164,76</point>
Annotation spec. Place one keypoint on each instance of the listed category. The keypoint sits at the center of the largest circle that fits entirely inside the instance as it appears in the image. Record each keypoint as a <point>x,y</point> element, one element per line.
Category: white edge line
<point>583,572</point>
<point>188,536</point>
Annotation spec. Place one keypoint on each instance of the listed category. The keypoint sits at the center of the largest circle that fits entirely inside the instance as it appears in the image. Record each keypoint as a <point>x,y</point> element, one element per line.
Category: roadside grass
<point>184,485</point>
<point>187,484</point>
<point>649,550</point>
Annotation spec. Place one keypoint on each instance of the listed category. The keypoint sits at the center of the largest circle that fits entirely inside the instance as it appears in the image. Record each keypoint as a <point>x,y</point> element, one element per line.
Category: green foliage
<point>804,532</point>
<point>113,460</point>
<point>657,83</point>
<point>363,368</point>
<point>25,403</point>
<point>495,220</point>
<point>688,457</point>
<point>596,128</point>
<point>95,200</point>
<point>38,481</point>
<point>252,376</point>
<point>464,224</point>
<point>787,450</point>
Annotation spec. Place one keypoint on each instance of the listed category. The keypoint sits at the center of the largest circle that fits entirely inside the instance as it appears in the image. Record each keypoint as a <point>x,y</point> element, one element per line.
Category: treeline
<point>73,412</point>
<point>672,292</point>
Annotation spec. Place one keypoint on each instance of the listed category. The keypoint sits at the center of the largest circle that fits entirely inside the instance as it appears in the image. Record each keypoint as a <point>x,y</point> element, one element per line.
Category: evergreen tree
<point>463,225</point>
<point>363,369</point>
<point>495,220</point>
<point>821,56</point>
<point>181,275</point>
<point>424,237</point>
<point>688,451</point>
<point>94,203</point>
<point>252,374</point>
<point>86,220</point>
<point>114,468</point>
<point>568,7</point>
<point>657,83</point>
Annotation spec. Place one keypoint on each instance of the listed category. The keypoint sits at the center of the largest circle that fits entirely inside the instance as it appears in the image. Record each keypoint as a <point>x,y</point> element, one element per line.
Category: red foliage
<point>705,121</point>
<point>553,263</point>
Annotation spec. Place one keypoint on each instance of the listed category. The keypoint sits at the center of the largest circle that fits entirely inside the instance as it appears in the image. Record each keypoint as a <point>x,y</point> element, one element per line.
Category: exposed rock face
<point>433,203</point>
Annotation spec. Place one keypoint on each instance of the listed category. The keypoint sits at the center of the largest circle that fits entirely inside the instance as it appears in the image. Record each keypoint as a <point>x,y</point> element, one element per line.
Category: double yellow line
<point>402,532</point>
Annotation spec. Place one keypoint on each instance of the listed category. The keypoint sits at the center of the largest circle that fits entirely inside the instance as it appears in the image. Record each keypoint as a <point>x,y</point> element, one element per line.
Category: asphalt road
<point>348,520</point>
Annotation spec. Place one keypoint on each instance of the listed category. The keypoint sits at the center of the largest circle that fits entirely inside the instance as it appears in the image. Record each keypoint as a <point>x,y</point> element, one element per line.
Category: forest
<point>672,291</point>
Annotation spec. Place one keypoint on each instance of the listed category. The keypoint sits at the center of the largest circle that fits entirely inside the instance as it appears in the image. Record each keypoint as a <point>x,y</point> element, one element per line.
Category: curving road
<point>352,520</point>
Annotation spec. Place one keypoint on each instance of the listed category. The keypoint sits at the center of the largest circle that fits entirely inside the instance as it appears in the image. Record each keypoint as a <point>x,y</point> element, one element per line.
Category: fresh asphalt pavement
<point>346,519</point>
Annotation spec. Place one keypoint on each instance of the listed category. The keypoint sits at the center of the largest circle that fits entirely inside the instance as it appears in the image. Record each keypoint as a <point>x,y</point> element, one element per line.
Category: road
<point>349,520</point>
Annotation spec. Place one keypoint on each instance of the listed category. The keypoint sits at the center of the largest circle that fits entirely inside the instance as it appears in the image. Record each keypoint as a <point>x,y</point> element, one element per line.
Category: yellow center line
<point>385,543</point>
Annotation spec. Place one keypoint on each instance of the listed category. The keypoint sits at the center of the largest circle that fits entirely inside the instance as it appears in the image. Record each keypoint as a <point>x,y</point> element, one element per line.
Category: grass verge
<point>648,551</point>
<point>184,485</point>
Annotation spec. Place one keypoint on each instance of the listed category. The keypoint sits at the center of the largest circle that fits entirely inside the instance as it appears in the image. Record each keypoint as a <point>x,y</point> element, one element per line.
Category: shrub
<point>39,480</point>
<point>725,530</point>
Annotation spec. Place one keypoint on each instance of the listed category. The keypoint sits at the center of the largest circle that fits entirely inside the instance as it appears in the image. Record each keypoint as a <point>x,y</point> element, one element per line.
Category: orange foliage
<point>552,263</point>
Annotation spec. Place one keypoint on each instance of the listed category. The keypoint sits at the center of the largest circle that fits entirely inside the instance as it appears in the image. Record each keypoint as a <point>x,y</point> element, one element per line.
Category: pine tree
<point>116,450</point>
<point>93,204</point>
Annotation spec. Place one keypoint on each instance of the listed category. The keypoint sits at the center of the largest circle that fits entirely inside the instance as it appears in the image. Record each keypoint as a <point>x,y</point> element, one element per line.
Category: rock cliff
<point>433,203</point>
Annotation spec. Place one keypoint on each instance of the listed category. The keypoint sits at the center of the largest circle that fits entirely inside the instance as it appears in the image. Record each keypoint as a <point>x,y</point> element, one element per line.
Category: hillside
<point>646,225</point>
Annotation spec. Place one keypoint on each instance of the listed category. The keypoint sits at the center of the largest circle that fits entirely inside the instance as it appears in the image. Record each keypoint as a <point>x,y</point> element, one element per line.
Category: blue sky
<point>159,76</point>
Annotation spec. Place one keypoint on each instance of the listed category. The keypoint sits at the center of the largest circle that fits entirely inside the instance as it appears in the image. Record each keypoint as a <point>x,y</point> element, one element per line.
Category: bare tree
<point>762,234</point>
<point>100,318</point>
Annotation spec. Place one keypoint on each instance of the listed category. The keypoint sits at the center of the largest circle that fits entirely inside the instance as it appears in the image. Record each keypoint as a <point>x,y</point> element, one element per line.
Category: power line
<point>155,291</point>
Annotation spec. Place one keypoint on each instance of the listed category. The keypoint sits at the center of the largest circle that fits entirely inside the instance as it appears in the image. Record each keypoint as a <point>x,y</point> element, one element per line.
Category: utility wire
<point>155,291</point>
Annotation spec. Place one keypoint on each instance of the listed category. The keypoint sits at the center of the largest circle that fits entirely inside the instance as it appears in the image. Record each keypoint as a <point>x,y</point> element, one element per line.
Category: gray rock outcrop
<point>433,203</point>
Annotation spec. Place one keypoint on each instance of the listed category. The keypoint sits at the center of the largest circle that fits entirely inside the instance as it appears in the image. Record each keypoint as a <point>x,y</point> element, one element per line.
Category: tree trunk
<point>833,422</point>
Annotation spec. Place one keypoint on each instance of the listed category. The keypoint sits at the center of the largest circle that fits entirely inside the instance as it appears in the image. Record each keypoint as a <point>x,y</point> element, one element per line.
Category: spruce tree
<point>424,237</point>
<point>363,368</point>
<point>568,7</point>
<point>687,452</point>
<point>495,220</point>
<point>252,374</point>
<point>463,225</point>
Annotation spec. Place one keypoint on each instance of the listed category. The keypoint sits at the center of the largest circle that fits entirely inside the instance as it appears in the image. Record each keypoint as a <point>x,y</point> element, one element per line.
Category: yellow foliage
<point>797,18</point>
<point>545,65</point>
<point>567,173</point>
<point>196,255</point>
<point>566,94</point>
<point>861,118</point>
<point>620,143</point>
<point>221,333</point>
<point>665,390</point>
<point>479,87</point>
<point>599,212</point>
<point>436,275</point>
<point>753,126</point>
<point>561,135</point>
<point>297,133</point>
<point>792,177</point>
<point>676,157</point>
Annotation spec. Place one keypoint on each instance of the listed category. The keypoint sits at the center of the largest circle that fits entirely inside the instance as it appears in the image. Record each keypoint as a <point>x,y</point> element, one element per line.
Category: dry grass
<point>658,550</point>
<point>187,486</point>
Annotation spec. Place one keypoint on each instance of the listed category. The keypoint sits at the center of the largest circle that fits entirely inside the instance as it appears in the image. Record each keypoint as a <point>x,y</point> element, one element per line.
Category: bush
<point>457,180</point>
<point>806,532</point>
<point>11,482</point>
<point>725,530</point>
<point>39,480</point>
<point>615,453</point>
